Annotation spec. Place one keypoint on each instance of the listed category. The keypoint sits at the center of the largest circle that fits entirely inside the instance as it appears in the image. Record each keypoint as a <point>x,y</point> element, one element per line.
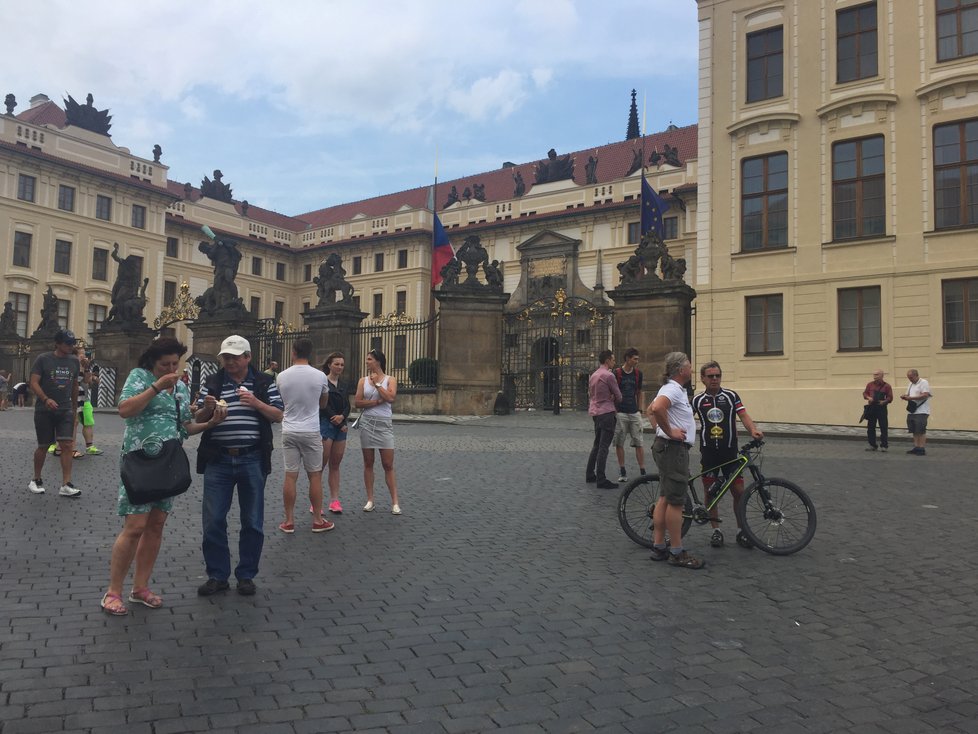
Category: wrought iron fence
<point>410,347</point>
<point>274,342</point>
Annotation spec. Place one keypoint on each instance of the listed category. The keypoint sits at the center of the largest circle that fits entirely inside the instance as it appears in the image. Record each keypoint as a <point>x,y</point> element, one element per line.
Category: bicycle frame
<point>743,461</point>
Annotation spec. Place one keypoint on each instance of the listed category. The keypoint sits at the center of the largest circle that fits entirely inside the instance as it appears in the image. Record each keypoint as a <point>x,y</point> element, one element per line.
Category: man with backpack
<point>628,421</point>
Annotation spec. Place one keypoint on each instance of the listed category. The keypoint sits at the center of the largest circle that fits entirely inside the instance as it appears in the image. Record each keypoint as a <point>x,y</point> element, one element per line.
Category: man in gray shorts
<point>918,411</point>
<point>303,389</point>
<point>674,435</point>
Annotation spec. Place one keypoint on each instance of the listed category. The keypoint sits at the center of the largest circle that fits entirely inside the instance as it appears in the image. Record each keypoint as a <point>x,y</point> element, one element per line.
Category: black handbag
<point>151,476</point>
<point>912,405</point>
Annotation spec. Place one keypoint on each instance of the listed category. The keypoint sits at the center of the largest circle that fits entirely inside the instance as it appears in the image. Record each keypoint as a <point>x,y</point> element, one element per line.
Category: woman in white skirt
<point>375,396</point>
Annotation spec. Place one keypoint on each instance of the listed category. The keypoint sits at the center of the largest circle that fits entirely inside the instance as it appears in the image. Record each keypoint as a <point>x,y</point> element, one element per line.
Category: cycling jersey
<point>718,421</point>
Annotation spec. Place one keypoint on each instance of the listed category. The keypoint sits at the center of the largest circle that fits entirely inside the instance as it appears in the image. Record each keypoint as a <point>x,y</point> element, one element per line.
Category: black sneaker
<point>660,554</point>
<point>605,484</point>
<point>871,448</point>
<point>246,587</point>
<point>716,540</point>
<point>211,587</point>
<point>590,479</point>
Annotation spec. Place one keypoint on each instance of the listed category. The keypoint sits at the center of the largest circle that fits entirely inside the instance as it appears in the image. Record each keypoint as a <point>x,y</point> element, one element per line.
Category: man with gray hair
<point>918,410</point>
<point>675,429</point>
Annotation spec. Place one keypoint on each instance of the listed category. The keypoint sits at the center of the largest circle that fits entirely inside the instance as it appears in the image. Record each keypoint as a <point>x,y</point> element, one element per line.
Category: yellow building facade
<point>838,203</point>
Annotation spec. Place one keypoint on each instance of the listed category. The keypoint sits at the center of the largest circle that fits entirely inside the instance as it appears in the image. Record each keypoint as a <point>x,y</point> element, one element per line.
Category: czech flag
<point>441,252</point>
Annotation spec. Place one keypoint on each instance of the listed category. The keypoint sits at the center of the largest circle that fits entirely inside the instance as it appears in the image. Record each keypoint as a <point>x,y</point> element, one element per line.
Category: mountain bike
<point>777,516</point>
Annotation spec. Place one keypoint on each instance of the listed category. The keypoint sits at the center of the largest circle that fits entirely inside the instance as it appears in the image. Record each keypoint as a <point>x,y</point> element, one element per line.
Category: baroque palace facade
<point>838,205</point>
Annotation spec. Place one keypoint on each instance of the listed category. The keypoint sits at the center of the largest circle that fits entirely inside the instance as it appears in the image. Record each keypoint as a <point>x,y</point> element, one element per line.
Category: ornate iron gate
<point>274,341</point>
<point>550,349</point>
<point>410,347</point>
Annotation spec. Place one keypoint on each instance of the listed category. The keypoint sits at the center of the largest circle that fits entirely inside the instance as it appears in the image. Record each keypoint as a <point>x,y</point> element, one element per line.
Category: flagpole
<point>431,293</point>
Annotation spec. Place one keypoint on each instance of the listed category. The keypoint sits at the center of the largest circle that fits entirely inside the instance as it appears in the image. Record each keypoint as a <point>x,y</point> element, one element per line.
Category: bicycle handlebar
<point>750,445</point>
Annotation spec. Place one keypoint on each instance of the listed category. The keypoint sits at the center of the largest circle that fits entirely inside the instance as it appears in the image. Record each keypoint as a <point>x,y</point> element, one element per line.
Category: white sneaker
<point>36,487</point>
<point>396,510</point>
<point>369,507</point>
<point>69,490</point>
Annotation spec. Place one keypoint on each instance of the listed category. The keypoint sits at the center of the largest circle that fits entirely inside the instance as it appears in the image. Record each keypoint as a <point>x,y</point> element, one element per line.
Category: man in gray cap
<point>54,382</point>
<point>235,453</point>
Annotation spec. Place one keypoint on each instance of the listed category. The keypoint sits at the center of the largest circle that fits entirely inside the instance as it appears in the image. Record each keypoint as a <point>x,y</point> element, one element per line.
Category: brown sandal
<point>112,604</point>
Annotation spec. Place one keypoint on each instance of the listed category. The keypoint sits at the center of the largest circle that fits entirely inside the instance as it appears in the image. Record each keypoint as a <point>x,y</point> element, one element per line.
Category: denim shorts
<point>331,432</point>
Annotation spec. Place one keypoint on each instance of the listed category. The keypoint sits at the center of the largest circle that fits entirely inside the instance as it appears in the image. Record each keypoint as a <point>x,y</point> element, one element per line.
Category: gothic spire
<point>632,120</point>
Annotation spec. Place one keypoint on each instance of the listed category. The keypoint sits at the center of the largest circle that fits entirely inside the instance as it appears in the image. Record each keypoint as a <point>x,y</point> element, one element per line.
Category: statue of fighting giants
<point>332,278</point>
<point>128,295</point>
<point>221,299</point>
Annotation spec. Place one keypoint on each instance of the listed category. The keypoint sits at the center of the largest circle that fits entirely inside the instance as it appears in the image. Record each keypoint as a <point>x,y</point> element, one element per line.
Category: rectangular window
<point>634,232</point>
<point>25,187</point>
<point>858,196</point>
<point>137,262</point>
<point>670,228</point>
<point>860,319</point>
<point>855,43</point>
<point>64,313</point>
<point>138,216</point>
<point>379,262</point>
<point>402,259</point>
<point>22,306</point>
<point>957,29</point>
<point>356,302</point>
<point>256,266</point>
<point>22,249</point>
<point>100,264</point>
<point>66,198</point>
<point>400,351</point>
<point>956,174</point>
<point>401,301</point>
<point>764,203</point>
<point>279,271</point>
<point>169,292</point>
<point>960,312</point>
<point>305,306</point>
<point>765,61</point>
<point>378,305</point>
<point>62,257</point>
<point>255,306</point>
<point>307,272</point>
<point>172,247</point>
<point>357,265</point>
<point>279,310</point>
<point>765,324</point>
<point>103,208</point>
<point>96,315</point>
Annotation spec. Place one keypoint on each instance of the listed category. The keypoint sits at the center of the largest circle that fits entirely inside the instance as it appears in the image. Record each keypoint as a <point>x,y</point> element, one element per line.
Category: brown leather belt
<point>238,451</point>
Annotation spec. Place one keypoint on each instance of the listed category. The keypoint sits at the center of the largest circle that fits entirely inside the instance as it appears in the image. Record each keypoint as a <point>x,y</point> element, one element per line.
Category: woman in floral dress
<point>151,400</point>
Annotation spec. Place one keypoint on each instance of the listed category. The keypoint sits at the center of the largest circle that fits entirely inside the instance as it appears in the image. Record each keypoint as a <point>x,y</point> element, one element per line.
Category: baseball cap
<point>65,337</point>
<point>235,345</point>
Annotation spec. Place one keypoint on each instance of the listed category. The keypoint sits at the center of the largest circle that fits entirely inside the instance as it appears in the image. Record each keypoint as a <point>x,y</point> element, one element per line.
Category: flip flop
<point>78,455</point>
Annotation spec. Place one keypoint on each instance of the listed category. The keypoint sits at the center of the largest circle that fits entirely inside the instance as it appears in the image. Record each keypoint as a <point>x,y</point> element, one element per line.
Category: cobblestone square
<point>505,598</point>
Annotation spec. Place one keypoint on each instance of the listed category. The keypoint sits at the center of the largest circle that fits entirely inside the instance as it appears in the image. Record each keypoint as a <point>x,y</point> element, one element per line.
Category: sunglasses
<point>711,377</point>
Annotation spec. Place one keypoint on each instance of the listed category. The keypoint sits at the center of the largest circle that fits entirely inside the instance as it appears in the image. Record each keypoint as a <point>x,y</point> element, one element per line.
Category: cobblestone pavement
<point>505,598</point>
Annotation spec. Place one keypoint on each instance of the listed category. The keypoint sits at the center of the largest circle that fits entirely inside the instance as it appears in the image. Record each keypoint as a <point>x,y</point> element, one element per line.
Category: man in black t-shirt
<point>54,382</point>
<point>628,421</point>
<point>717,410</point>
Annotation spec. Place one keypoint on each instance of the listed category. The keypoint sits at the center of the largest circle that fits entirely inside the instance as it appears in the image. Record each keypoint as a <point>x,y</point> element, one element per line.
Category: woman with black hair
<point>375,396</point>
<point>156,407</point>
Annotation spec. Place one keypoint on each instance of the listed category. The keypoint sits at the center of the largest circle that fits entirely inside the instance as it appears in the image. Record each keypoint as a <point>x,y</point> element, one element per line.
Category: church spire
<point>632,120</point>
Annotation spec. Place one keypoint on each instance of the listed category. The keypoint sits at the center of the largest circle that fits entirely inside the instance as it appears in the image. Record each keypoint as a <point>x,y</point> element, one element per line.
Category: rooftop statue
<point>86,116</point>
<point>157,152</point>
<point>215,189</point>
<point>555,168</point>
<point>591,170</point>
<point>11,102</point>
<point>520,188</point>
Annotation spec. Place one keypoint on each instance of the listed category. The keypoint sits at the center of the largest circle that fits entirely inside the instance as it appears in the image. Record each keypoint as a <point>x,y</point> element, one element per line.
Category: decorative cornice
<point>952,80</point>
<point>792,118</point>
<point>861,98</point>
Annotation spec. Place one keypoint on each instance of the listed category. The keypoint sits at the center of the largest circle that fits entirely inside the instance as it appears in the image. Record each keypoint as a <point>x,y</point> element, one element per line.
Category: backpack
<point>620,374</point>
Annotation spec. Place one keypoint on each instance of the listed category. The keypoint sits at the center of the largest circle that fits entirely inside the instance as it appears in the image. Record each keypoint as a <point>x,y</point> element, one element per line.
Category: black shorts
<point>710,457</point>
<point>54,425</point>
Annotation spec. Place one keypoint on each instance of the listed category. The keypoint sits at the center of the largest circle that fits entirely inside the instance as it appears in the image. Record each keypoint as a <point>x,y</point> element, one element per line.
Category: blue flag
<point>441,251</point>
<point>652,210</point>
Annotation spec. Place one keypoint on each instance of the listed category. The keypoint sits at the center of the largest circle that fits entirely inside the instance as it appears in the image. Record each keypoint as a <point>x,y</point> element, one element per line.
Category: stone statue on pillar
<point>128,295</point>
<point>332,280</point>
<point>221,300</point>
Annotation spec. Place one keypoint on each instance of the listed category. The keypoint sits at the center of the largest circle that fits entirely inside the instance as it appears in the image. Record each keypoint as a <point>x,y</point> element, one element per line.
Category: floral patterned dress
<point>157,423</point>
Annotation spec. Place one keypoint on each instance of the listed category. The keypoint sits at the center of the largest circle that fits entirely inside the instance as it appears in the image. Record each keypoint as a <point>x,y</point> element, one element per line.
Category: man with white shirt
<point>918,411</point>
<point>303,388</point>
<point>674,435</point>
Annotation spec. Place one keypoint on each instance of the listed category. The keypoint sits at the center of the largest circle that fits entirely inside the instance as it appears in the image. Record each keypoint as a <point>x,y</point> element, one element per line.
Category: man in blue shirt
<point>235,453</point>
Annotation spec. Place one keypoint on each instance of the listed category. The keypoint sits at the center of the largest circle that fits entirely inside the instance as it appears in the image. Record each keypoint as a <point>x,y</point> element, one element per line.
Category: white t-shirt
<point>300,386</point>
<point>680,414</point>
<point>915,390</point>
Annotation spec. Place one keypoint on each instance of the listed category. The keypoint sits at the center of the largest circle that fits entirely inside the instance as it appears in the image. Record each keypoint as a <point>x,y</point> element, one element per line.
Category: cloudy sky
<point>309,103</point>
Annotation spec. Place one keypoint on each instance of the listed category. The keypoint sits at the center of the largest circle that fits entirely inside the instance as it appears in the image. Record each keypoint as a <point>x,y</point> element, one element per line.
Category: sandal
<point>112,604</point>
<point>78,455</point>
<point>57,452</point>
<point>146,598</point>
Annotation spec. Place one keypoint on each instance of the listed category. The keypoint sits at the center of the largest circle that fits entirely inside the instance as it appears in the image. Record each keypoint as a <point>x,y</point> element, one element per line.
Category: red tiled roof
<point>614,160</point>
<point>256,213</point>
<point>47,113</point>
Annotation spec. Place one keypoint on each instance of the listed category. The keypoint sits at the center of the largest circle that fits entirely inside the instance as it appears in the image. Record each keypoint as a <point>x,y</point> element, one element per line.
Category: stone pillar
<point>209,333</point>
<point>120,349</point>
<point>655,319</point>
<point>469,350</point>
<point>331,330</point>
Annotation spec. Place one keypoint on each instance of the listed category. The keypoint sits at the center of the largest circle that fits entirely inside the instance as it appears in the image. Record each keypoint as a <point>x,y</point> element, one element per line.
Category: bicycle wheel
<point>778,516</point>
<point>635,505</point>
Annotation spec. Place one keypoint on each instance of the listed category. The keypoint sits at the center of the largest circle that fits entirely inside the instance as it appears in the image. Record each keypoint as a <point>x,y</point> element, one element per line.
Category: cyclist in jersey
<point>717,409</point>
